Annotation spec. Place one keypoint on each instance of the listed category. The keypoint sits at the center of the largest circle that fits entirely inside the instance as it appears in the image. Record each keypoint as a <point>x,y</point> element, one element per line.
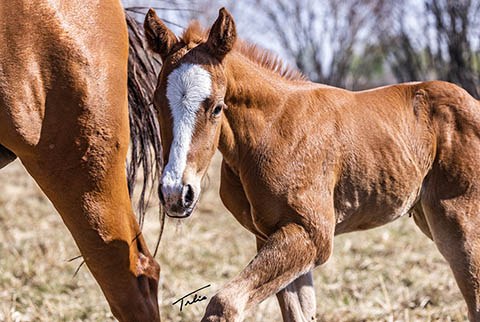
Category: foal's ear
<point>160,39</point>
<point>223,35</point>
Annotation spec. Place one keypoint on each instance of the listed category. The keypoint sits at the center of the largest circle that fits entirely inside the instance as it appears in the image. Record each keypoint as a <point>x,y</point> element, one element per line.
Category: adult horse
<point>303,162</point>
<point>63,112</point>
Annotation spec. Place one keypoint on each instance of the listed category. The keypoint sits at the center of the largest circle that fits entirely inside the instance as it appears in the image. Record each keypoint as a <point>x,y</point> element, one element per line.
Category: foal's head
<point>190,101</point>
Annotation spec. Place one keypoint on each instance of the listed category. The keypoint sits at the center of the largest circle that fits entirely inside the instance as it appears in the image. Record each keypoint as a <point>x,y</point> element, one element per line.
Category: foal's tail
<point>145,146</point>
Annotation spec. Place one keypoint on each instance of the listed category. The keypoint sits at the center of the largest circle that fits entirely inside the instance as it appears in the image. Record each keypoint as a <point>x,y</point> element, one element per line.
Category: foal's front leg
<point>290,252</point>
<point>297,300</point>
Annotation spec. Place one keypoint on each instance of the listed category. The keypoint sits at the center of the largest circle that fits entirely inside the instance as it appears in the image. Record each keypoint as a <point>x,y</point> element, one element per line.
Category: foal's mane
<point>195,34</point>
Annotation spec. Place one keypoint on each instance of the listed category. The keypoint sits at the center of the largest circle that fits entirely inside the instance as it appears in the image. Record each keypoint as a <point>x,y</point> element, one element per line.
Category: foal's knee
<point>222,308</point>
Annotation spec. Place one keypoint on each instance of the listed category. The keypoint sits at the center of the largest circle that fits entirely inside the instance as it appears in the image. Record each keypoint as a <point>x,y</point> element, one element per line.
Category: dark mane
<point>145,155</point>
<point>195,34</point>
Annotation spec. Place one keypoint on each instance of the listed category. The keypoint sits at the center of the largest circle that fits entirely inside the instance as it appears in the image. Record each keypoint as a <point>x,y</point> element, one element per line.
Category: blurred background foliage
<point>354,44</point>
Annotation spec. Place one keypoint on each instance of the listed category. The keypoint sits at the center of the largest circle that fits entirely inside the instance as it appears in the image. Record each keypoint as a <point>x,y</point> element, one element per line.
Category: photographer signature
<point>196,298</point>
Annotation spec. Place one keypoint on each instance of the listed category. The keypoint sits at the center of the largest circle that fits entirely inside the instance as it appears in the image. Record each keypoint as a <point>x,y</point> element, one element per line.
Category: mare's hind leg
<point>453,217</point>
<point>93,200</point>
<point>297,300</point>
<point>6,156</point>
<point>78,160</point>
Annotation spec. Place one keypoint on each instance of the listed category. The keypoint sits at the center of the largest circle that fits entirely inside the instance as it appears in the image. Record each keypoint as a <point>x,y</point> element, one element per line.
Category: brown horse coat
<point>304,162</point>
<point>63,112</point>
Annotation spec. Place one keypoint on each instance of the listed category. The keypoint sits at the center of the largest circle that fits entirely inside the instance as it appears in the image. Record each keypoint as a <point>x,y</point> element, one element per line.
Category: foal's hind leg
<point>421,220</point>
<point>297,300</point>
<point>454,224</point>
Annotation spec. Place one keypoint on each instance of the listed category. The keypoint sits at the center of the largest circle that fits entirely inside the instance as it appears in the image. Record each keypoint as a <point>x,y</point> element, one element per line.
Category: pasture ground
<point>393,273</point>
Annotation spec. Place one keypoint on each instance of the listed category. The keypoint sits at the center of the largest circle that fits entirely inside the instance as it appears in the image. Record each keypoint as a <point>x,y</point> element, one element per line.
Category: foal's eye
<point>217,110</point>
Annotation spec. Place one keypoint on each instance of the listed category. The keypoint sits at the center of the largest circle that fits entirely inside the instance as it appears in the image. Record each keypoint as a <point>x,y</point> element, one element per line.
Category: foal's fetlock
<point>221,309</point>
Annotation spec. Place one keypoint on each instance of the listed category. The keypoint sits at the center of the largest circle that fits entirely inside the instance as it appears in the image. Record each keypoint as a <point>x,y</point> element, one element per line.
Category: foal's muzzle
<point>179,203</point>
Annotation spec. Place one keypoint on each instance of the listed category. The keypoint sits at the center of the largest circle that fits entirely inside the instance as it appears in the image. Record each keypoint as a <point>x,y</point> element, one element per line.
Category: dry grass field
<point>389,274</point>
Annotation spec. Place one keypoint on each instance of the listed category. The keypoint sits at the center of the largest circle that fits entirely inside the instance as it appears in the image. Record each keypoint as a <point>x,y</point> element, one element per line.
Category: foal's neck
<point>254,96</point>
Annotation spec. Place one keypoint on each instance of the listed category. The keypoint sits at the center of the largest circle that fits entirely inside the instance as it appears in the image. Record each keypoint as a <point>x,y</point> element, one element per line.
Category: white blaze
<point>187,87</point>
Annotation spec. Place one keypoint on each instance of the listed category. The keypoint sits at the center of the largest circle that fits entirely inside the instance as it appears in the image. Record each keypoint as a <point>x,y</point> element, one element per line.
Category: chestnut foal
<point>303,162</point>
<point>63,112</point>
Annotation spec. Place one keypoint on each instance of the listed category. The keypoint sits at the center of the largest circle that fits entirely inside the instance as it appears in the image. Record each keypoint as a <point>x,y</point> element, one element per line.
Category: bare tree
<point>454,22</point>
<point>440,42</point>
<point>324,38</point>
<point>173,12</point>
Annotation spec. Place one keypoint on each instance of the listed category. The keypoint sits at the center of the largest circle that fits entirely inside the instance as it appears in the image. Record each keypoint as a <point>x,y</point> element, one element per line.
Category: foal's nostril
<point>160,195</point>
<point>187,196</point>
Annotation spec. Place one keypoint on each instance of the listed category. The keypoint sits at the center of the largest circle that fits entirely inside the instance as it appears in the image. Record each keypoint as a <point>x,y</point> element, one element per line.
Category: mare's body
<point>63,112</point>
<point>303,162</point>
